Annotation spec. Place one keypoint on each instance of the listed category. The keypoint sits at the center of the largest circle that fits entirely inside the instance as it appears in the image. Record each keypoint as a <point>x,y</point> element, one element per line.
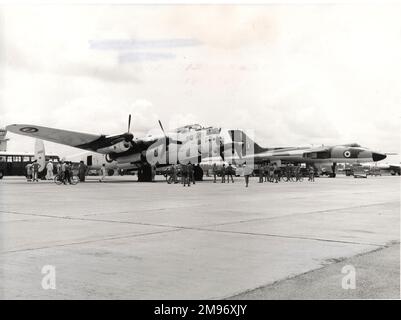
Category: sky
<point>295,74</point>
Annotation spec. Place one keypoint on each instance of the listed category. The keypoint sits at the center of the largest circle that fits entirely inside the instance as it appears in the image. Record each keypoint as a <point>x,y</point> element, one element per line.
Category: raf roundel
<point>347,153</point>
<point>29,129</point>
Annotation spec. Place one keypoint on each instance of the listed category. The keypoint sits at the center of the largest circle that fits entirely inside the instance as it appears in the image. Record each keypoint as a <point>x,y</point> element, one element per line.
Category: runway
<point>128,240</point>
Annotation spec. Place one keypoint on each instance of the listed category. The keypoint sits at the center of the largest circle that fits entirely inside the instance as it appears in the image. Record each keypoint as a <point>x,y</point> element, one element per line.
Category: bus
<point>13,164</point>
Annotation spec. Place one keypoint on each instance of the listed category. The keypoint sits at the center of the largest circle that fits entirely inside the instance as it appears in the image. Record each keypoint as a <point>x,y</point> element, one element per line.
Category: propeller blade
<point>161,126</point>
<point>129,123</point>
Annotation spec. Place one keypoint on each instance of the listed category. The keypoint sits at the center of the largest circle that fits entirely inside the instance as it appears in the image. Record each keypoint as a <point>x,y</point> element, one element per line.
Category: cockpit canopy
<point>187,128</point>
<point>352,145</point>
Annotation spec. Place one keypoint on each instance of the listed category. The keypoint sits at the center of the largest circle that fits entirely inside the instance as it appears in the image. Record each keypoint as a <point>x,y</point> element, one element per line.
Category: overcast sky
<point>297,75</point>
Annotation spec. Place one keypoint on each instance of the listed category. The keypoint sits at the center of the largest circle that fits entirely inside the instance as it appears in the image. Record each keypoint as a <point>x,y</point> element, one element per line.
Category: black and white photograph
<point>223,152</point>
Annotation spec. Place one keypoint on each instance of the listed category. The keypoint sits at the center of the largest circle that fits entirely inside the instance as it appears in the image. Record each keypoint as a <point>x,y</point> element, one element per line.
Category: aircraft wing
<point>69,138</point>
<point>292,151</point>
<point>281,153</point>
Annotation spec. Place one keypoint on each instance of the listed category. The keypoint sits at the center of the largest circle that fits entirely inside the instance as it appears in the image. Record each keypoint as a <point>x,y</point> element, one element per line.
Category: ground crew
<point>247,173</point>
<point>191,173</point>
<point>173,175</point>
<point>311,174</point>
<point>68,172</point>
<point>214,172</point>
<point>297,172</point>
<point>277,173</point>
<point>58,167</point>
<point>271,173</point>
<point>62,172</point>
<point>184,175</point>
<point>82,171</point>
<point>28,168</point>
<point>35,170</point>
<point>230,171</point>
<point>49,171</point>
<point>266,170</point>
<point>102,172</point>
<point>261,173</point>
<point>223,174</point>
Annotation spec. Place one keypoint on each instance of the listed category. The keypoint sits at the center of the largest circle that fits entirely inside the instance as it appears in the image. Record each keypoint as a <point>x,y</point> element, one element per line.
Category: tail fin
<point>3,140</point>
<point>248,145</point>
<point>40,154</point>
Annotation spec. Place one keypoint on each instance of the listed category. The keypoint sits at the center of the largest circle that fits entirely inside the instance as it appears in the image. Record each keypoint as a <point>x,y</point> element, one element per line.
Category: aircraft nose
<point>378,156</point>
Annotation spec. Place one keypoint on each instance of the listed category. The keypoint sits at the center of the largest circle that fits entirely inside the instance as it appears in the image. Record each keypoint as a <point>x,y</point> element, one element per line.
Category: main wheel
<point>74,180</point>
<point>57,180</point>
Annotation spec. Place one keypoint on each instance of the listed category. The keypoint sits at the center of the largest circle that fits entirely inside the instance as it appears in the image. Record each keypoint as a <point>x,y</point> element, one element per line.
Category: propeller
<point>129,123</point>
<point>129,136</point>
<point>168,139</point>
<point>161,127</point>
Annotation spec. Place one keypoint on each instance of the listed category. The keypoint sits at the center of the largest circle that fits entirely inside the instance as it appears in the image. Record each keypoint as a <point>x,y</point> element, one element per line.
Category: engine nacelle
<point>119,147</point>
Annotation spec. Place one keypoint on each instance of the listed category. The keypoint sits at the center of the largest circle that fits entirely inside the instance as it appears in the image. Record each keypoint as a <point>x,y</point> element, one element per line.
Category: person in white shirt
<point>49,171</point>
<point>103,173</point>
<point>247,173</point>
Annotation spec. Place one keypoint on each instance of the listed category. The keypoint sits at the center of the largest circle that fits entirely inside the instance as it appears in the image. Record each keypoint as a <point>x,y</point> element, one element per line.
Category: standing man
<point>175,173</point>
<point>247,173</point>
<point>191,173</point>
<point>68,172</point>
<point>171,174</point>
<point>102,173</point>
<point>184,175</point>
<point>266,170</point>
<point>214,172</point>
<point>35,170</point>
<point>63,174</point>
<point>223,174</point>
<point>230,171</point>
<point>82,171</point>
<point>28,168</point>
<point>276,173</point>
<point>261,173</point>
<point>49,170</point>
<point>297,172</point>
<point>58,167</point>
<point>311,174</point>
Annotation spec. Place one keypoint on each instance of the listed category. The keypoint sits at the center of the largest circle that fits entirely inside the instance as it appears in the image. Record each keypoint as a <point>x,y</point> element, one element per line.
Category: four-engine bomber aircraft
<point>186,144</point>
<point>347,153</point>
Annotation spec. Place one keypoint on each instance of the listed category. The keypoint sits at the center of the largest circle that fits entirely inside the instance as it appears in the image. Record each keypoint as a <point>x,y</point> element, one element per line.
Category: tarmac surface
<point>128,240</point>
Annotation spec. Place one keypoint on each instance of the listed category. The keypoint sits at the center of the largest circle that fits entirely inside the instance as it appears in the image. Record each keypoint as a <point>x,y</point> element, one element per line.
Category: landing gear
<point>145,173</point>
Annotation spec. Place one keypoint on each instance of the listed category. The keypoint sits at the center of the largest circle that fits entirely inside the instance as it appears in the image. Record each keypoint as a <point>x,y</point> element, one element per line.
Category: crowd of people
<point>62,170</point>
<point>180,173</point>
<point>274,173</point>
<point>185,174</point>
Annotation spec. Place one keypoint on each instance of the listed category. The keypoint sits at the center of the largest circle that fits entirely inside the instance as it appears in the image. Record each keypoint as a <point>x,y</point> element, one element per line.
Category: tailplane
<point>3,140</point>
<point>248,145</point>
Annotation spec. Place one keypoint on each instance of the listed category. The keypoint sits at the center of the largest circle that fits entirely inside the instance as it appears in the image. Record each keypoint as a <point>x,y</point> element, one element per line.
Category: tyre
<point>57,180</point>
<point>74,180</point>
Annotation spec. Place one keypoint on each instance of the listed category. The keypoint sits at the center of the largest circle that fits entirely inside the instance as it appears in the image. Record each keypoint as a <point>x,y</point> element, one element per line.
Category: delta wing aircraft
<point>190,143</point>
<point>346,153</point>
